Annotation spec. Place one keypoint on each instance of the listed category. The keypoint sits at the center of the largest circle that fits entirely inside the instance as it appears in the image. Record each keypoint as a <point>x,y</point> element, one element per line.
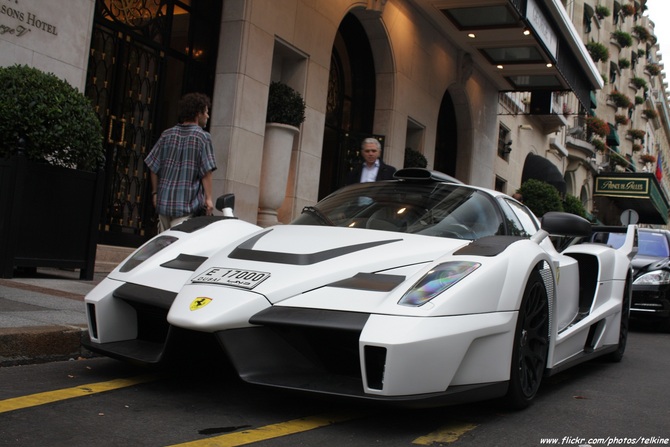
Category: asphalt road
<point>101,402</point>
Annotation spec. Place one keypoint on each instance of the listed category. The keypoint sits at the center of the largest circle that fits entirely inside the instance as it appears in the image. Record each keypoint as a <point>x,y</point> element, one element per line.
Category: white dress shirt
<point>369,174</point>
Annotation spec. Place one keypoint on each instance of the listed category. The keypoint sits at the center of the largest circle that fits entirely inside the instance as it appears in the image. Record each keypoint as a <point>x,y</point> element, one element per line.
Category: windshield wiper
<point>318,214</point>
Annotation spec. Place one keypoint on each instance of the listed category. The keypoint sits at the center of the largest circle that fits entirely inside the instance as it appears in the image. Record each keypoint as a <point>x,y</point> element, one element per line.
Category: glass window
<point>653,244</point>
<point>443,210</point>
<point>520,221</point>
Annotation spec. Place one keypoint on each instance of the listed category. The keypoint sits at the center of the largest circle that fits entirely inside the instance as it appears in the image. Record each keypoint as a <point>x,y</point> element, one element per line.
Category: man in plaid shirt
<point>181,165</point>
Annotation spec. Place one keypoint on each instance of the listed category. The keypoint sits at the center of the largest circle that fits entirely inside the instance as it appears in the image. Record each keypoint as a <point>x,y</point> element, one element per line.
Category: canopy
<point>539,168</point>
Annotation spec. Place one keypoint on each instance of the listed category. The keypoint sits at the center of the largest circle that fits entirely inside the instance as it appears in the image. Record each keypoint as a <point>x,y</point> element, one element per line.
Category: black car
<point>651,273</point>
<point>651,285</point>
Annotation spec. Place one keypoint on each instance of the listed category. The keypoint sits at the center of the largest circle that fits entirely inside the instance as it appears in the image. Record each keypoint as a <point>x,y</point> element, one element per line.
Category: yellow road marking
<point>47,397</point>
<point>448,433</point>
<point>271,431</point>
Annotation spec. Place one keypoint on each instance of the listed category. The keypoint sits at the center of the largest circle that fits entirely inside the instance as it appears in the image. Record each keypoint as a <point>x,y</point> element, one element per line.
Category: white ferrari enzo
<point>416,290</point>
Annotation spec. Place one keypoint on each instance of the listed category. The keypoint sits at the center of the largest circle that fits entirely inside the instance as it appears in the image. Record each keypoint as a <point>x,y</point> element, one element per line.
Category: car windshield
<point>653,244</point>
<point>649,243</point>
<point>443,210</point>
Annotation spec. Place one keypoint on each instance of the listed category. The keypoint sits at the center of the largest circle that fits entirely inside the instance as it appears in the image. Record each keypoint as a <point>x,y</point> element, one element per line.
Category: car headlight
<point>436,281</point>
<point>655,278</point>
<point>153,247</point>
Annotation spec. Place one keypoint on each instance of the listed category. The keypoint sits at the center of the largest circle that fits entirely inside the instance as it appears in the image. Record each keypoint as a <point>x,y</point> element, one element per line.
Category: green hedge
<point>56,121</point>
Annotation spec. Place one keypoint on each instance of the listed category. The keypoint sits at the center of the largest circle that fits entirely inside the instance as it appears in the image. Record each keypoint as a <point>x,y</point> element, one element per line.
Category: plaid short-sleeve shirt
<point>181,157</point>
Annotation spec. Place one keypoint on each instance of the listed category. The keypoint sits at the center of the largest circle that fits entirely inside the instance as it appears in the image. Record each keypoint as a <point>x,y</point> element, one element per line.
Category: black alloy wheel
<point>531,343</point>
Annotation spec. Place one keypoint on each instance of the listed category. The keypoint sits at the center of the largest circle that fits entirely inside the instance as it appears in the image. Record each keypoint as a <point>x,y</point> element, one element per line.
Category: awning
<point>539,168</point>
<point>517,44</point>
<point>637,191</point>
<point>613,136</point>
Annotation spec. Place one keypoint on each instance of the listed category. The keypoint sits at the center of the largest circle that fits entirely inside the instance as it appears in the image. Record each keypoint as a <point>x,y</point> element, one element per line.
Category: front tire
<point>617,355</point>
<point>531,343</point>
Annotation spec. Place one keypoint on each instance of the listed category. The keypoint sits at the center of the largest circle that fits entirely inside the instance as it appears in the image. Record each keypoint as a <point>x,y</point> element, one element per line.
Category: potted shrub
<point>602,11</point>
<point>628,10</point>
<point>637,134</point>
<point>598,51</point>
<point>596,126</point>
<point>414,159</point>
<point>650,113</point>
<point>624,63</point>
<point>653,69</point>
<point>540,197</point>
<point>622,38</point>
<point>56,122</point>
<point>285,105</point>
<point>647,158</point>
<point>638,83</point>
<point>51,177</point>
<point>285,113</point>
<point>639,100</point>
<point>637,147</point>
<point>573,205</point>
<point>620,100</point>
<point>621,119</point>
<point>641,32</point>
<point>599,144</point>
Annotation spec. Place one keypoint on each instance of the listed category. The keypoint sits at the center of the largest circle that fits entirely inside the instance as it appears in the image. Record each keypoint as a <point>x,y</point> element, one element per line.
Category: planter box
<point>48,216</point>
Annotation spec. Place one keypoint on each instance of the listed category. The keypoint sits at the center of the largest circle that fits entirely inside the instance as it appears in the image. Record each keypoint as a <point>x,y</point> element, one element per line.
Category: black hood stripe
<point>245,251</point>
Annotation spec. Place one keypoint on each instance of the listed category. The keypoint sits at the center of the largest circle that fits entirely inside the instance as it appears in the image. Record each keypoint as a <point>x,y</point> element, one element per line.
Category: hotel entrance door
<point>144,55</point>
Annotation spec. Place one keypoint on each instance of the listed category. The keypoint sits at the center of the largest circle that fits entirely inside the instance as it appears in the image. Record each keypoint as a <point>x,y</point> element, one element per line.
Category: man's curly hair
<point>191,104</point>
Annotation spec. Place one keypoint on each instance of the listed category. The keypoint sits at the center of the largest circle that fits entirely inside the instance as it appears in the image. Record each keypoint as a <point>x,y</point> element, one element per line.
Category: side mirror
<point>226,204</point>
<point>566,224</point>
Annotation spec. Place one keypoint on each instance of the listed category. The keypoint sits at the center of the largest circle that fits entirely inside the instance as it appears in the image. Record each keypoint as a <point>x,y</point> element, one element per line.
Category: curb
<point>41,344</point>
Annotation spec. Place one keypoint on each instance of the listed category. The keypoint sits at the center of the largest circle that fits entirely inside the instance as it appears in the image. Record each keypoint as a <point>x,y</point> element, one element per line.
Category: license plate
<point>247,279</point>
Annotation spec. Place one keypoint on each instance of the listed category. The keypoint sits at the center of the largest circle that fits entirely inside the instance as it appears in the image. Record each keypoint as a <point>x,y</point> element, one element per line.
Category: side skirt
<point>580,358</point>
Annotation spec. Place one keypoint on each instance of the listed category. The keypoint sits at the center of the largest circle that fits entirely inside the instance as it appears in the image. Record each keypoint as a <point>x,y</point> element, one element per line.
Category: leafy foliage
<point>647,158</point>
<point>598,51</point>
<point>653,68</point>
<point>573,205</point>
<point>639,83</point>
<point>650,113</point>
<point>56,121</point>
<point>620,100</point>
<point>621,119</point>
<point>637,134</point>
<point>641,32</point>
<point>540,197</point>
<point>414,159</point>
<point>596,126</point>
<point>599,144</point>
<point>623,38</point>
<point>603,11</point>
<point>285,105</point>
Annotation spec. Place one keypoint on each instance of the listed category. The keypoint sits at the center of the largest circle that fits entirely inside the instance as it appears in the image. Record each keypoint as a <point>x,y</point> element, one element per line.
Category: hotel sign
<point>623,187</point>
<point>16,21</point>
<point>542,27</point>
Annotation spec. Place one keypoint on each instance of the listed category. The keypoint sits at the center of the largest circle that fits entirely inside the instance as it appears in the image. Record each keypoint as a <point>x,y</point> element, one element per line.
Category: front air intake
<point>375,363</point>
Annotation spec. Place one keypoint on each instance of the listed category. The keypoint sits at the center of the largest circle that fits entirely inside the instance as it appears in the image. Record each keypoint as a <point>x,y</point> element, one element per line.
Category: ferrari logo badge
<point>200,302</point>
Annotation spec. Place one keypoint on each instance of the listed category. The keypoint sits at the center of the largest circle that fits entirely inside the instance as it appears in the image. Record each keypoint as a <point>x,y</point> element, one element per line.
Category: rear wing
<point>624,239</point>
<point>575,229</point>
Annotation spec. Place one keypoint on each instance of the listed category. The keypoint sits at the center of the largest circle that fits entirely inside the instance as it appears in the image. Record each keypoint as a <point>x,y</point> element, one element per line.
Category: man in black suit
<point>372,169</point>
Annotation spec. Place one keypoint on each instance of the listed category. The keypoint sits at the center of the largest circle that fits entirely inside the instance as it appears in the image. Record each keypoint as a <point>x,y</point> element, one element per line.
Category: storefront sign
<point>15,20</point>
<point>622,187</point>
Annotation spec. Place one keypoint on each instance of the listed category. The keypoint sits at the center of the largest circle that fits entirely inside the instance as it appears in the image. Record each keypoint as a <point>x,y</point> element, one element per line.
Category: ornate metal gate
<point>137,47</point>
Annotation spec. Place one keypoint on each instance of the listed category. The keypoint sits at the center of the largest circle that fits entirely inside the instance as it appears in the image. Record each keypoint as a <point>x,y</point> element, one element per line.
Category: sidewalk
<point>42,314</point>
